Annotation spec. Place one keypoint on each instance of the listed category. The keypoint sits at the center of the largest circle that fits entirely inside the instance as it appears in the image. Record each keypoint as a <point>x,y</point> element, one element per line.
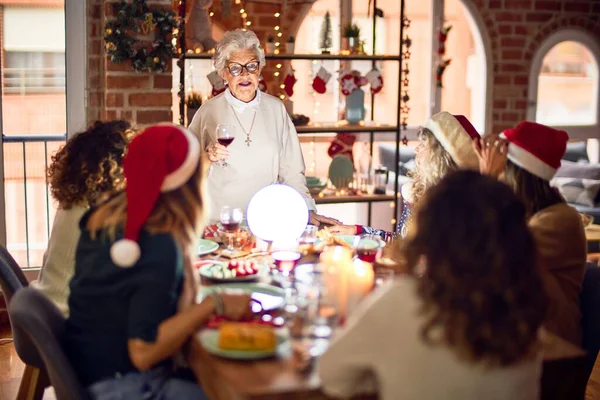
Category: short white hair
<point>237,40</point>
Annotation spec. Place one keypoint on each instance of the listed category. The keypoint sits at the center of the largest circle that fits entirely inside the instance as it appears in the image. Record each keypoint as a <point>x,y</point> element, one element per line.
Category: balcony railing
<point>29,207</point>
<point>33,80</point>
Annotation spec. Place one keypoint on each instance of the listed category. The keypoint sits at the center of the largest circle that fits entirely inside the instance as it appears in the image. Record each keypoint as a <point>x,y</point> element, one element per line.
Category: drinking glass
<point>231,218</point>
<point>286,256</point>
<point>225,136</point>
<point>308,239</point>
<point>369,248</point>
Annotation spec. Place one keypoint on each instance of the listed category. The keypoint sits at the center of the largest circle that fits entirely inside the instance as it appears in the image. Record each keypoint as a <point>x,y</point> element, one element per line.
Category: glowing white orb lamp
<point>277,212</point>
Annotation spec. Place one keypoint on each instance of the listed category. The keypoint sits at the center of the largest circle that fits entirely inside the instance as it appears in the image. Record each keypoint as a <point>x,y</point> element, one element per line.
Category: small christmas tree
<point>326,34</point>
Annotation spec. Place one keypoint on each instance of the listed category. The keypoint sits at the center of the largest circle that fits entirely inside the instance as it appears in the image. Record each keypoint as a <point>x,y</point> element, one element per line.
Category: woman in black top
<point>132,293</point>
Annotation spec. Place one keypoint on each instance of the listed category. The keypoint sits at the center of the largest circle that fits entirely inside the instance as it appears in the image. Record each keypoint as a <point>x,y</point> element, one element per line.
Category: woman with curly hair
<point>84,172</point>
<point>527,160</point>
<point>464,324</point>
<point>445,144</point>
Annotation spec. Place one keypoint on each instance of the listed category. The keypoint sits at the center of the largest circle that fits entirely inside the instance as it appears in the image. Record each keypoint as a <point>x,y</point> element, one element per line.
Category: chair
<point>589,301</point>
<point>35,317</point>
<point>12,277</point>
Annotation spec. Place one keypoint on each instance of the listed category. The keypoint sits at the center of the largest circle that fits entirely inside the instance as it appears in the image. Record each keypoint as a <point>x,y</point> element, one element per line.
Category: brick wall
<point>515,27</point>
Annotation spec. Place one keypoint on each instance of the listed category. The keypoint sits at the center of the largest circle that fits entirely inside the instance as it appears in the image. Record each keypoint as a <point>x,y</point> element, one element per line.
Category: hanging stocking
<point>348,82</point>
<point>320,82</point>
<point>342,145</point>
<point>218,84</point>
<point>289,82</point>
<point>262,85</point>
<point>375,80</point>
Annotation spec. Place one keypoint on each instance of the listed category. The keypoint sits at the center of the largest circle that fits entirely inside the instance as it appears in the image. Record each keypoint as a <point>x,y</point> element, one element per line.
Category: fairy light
<point>312,156</point>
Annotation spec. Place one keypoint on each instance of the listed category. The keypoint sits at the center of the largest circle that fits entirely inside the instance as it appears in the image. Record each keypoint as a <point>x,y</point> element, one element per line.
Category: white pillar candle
<point>338,259</point>
<point>360,283</point>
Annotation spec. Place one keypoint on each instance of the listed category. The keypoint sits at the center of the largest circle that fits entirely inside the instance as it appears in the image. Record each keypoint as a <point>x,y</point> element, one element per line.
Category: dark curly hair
<point>89,166</point>
<point>480,286</point>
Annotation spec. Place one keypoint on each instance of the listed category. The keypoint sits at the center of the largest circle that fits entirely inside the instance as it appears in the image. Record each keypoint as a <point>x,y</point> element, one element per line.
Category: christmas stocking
<point>289,82</point>
<point>198,26</point>
<point>375,80</point>
<point>348,83</point>
<point>342,145</point>
<point>320,82</point>
<point>262,85</point>
<point>218,84</point>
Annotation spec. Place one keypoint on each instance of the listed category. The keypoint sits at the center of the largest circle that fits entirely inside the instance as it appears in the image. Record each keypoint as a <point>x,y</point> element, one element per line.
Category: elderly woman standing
<point>266,148</point>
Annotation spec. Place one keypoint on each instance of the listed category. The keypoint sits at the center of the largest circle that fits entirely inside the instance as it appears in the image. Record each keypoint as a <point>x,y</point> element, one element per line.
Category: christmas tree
<point>326,40</point>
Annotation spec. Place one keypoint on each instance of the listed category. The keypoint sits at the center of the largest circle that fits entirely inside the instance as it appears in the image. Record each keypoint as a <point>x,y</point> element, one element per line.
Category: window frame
<point>564,35</point>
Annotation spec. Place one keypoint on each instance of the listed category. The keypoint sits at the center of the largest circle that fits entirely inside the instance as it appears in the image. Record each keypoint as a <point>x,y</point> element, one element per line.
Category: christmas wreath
<point>138,17</point>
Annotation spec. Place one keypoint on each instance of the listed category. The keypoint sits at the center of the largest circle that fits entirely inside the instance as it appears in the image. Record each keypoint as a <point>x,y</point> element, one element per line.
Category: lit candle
<point>360,283</point>
<point>338,259</point>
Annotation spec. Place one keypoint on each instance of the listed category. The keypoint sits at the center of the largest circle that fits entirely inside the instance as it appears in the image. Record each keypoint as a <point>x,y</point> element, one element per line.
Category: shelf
<point>367,198</point>
<point>341,57</point>
<point>343,128</point>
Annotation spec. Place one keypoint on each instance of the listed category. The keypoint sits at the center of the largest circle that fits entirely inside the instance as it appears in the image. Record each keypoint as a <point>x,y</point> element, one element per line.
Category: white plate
<point>206,246</point>
<point>210,341</point>
<point>206,272</point>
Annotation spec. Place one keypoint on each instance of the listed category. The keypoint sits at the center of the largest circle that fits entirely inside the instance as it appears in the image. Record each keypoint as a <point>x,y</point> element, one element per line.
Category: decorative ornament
<point>198,32</point>
<point>218,84</point>
<point>289,81</point>
<point>342,144</point>
<point>443,62</point>
<point>320,82</point>
<point>138,17</point>
<point>375,80</point>
<point>404,95</point>
<point>326,42</point>
<point>350,81</point>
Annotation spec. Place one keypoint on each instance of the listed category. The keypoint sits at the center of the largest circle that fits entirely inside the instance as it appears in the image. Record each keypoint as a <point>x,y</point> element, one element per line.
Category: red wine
<point>367,255</point>
<point>231,226</point>
<point>286,260</point>
<point>225,141</point>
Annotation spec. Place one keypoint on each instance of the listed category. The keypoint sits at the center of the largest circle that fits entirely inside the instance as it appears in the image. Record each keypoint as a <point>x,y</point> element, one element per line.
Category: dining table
<point>287,377</point>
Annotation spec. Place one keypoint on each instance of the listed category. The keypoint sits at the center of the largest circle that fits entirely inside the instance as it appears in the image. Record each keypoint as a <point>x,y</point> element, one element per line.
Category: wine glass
<point>231,219</point>
<point>369,248</point>
<point>308,239</point>
<point>225,136</point>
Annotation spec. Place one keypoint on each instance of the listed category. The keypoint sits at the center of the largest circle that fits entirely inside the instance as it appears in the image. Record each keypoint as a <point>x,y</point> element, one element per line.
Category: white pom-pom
<point>125,253</point>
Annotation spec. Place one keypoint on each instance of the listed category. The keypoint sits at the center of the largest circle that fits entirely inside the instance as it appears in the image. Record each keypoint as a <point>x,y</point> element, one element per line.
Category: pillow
<point>569,169</point>
<point>578,191</point>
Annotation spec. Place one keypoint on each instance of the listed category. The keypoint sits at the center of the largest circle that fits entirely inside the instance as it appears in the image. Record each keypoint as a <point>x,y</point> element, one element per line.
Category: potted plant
<point>290,45</point>
<point>193,101</point>
<point>352,34</point>
<point>270,46</point>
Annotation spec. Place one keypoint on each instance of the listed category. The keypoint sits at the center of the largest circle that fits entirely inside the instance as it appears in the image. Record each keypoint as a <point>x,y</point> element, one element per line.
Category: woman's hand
<point>491,152</point>
<point>217,152</point>
<point>342,230</point>
<point>236,306</point>
<point>317,220</point>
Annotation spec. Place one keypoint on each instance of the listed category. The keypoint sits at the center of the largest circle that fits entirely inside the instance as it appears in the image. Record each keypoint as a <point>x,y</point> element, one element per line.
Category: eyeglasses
<point>237,69</point>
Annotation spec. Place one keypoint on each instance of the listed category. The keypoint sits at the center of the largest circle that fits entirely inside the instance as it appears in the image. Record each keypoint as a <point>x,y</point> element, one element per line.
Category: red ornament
<point>342,144</point>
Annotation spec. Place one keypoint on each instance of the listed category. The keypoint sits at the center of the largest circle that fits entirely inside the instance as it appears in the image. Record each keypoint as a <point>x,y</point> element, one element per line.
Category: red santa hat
<point>160,159</point>
<point>456,134</point>
<point>536,148</point>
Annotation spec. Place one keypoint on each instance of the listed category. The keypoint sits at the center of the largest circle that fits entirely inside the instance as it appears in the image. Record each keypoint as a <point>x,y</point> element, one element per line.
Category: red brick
<point>509,67</point>
<point>163,81</point>
<point>153,116</point>
<point>126,115</point>
<point>124,66</point>
<point>495,4</point>
<point>510,117</point>
<point>505,29</point>
<point>513,42</point>
<point>521,104</point>
<point>501,80</point>
<point>151,99</point>
<point>525,29</point>
<point>521,79</point>
<point>509,17</point>
<point>95,46</point>
<point>257,8</point>
<point>500,104</point>
<point>128,82</point>
<point>538,17</point>
<point>547,5</point>
<point>114,99</point>
<point>517,4</point>
<point>580,7</point>
<point>94,11</point>
<point>111,115</point>
<point>512,54</point>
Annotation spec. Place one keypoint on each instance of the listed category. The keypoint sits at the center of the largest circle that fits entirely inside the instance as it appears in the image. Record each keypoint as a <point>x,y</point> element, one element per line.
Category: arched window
<point>564,83</point>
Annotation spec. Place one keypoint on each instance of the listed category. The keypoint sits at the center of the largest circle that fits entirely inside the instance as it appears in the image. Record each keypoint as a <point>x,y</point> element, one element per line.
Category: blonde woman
<point>445,144</point>
<point>132,263</point>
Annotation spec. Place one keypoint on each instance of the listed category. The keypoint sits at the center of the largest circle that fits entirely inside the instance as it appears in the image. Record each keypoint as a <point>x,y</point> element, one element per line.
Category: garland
<point>443,62</point>
<point>138,17</point>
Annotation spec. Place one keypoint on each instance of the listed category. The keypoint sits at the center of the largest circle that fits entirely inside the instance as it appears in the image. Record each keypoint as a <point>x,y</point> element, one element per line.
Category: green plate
<point>206,247</point>
<point>210,341</point>
<point>206,271</point>
<point>341,172</point>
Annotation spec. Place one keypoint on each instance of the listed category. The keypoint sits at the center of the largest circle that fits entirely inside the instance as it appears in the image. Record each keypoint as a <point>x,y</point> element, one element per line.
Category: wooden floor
<point>11,370</point>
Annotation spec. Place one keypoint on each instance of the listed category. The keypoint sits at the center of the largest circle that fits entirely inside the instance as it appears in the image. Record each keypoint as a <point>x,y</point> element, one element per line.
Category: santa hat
<point>160,159</point>
<point>536,148</point>
<point>456,134</point>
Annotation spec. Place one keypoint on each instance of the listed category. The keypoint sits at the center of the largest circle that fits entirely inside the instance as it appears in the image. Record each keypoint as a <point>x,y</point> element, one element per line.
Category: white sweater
<point>382,343</point>
<point>274,155</point>
<point>59,259</point>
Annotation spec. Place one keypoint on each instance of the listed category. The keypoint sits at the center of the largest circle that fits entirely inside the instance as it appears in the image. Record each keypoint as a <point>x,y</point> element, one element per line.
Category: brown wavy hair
<point>480,287</point>
<point>438,164</point>
<point>89,166</point>
<point>534,191</point>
